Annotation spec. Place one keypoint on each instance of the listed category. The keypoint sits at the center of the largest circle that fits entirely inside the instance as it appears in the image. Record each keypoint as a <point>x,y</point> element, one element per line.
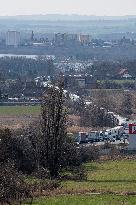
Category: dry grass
<point>14,117</point>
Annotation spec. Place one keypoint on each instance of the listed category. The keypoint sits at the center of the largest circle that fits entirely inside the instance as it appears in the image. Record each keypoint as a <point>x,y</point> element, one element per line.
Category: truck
<point>83,137</point>
<point>114,133</point>
<point>95,136</point>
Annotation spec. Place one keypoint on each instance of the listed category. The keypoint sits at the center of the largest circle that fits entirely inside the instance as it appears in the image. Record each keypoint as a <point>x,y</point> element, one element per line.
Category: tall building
<point>60,38</point>
<point>72,37</point>
<point>13,38</point>
<point>83,38</point>
<point>32,36</point>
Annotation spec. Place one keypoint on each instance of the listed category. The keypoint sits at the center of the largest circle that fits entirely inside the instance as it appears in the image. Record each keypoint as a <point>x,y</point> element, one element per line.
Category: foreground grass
<point>103,178</point>
<point>19,110</point>
<point>113,176</point>
<point>87,200</point>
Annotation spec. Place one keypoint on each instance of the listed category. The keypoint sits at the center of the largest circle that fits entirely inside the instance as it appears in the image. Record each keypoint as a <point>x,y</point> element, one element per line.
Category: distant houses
<point>80,81</point>
<point>124,74</point>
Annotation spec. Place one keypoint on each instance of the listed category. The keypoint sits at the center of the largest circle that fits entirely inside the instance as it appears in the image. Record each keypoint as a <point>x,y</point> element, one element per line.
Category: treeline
<point>119,102</point>
<point>12,67</point>
<point>113,84</point>
<point>109,70</point>
<point>98,109</point>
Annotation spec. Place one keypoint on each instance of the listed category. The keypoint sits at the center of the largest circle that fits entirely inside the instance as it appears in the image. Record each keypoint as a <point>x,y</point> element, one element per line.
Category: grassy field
<point>87,200</point>
<point>14,117</point>
<point>104,178</point>
<point>113,176</point>
<point>19,110</point>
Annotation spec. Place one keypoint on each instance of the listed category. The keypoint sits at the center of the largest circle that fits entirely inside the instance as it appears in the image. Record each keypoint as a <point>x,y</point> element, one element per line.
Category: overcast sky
<point>87,7</point>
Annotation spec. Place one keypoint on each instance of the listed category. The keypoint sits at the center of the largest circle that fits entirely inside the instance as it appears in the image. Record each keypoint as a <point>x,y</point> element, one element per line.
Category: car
<point>117,137</point>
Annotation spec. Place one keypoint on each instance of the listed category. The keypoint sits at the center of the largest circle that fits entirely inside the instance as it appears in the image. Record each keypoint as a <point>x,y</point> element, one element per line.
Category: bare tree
<point>126,106</point>
<point>53,129</point>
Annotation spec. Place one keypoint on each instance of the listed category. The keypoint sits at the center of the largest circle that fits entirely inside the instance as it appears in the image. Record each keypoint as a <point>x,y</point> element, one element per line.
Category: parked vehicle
<point>115,132</point>
<point>83,137</point>
<point>110,135</point>
<point>95,136</point>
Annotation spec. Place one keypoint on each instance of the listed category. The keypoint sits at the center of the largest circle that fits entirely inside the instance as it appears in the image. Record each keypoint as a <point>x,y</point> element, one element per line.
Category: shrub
<point>12,185</point>
<point>88,153</point>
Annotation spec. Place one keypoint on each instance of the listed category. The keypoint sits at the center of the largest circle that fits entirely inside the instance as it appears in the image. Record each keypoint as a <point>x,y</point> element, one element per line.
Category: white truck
<point>114,133</point>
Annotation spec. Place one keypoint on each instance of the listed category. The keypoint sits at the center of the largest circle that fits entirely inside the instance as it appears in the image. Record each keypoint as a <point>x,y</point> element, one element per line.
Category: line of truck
<point>112,134</point>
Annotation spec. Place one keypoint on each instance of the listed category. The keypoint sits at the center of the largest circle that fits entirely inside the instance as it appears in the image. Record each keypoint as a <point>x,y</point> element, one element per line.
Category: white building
<point>13,38</point>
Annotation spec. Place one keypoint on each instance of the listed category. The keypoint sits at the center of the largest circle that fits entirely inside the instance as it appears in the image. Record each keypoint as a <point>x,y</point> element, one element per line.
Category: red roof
<point>123,71</point>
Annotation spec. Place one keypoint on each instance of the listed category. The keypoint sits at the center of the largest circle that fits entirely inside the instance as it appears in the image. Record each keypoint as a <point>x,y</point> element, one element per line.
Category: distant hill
<point>56,23</point>
<point>61,17</point>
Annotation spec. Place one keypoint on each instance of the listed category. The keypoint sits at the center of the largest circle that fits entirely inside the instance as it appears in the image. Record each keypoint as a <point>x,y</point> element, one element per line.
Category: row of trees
<point>109,69</point>
<point>98,113</point>
<point>111,84</point>
<point>96,116</point>
<point>12,67</point>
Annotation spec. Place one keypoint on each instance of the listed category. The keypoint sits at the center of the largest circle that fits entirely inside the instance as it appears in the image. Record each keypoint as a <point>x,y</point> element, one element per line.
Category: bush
<point>12,185</point>
<point>87,154</point>
<point>41,173</point>
<point>17,148</point>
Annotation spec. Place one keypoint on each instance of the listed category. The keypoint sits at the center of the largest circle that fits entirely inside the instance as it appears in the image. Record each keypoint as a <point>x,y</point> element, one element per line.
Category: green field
<point>19,110</point>
<point>87,200</point>
<point>116,177</point>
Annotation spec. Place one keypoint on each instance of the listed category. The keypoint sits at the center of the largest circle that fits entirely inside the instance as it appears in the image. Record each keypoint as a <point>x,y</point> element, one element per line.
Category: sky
<point>84,7</point>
